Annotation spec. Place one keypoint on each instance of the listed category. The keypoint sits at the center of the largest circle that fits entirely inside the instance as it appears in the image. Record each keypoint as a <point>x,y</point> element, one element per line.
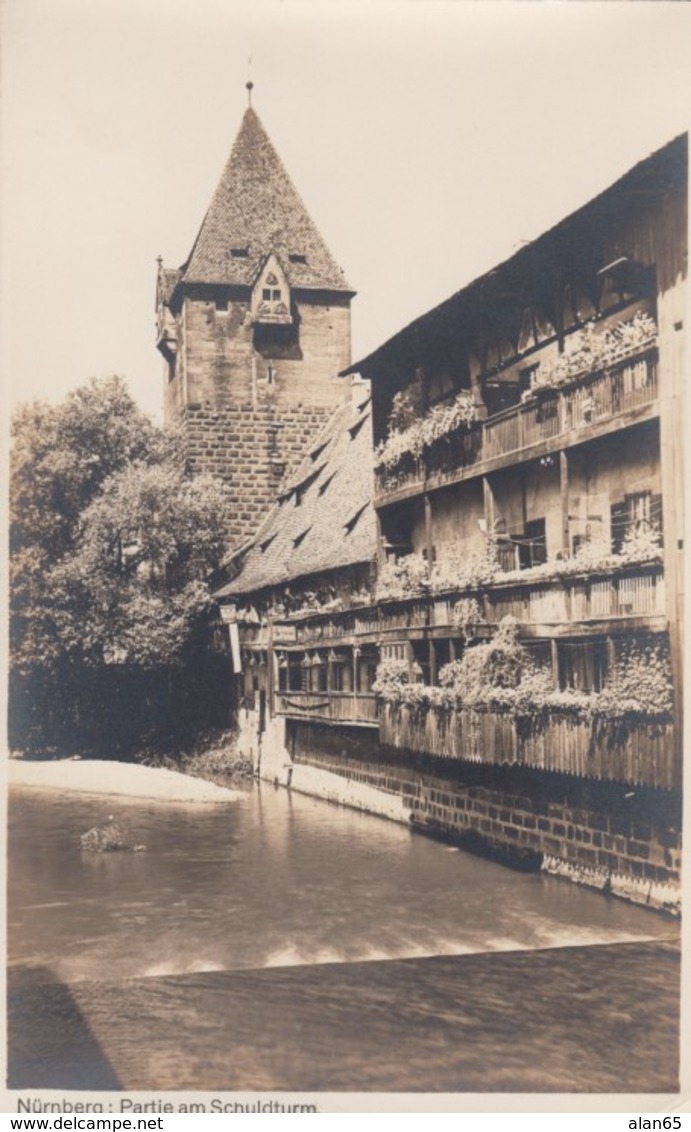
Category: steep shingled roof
<point>256,207</point>
<point>323,519</point>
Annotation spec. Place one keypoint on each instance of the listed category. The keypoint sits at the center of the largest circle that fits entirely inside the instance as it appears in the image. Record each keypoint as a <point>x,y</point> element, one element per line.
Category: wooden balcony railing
<point>640,592</point>
<point>283,633</point>
<point>642,753</point>
<point>324,627</point>
<point>332,707</point>
<point>257,635</point>
<point>637,591</point>
<point>571,409</point>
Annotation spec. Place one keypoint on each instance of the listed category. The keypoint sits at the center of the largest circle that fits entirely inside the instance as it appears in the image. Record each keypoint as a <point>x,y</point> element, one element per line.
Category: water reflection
<point>275,880</point>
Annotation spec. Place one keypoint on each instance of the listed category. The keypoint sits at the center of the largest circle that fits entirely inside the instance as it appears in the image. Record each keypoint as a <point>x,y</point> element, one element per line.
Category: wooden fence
<point>618,751</point>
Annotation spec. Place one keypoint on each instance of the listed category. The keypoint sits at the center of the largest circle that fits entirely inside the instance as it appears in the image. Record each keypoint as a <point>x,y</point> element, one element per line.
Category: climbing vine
<point>502,675</point>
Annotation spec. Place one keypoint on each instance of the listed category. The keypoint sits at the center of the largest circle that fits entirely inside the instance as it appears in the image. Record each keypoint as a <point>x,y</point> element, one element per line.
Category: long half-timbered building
<point>512,678</point>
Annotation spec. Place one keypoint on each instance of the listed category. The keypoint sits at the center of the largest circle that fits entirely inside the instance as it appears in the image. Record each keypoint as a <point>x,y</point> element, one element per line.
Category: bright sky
<point>428,141</point>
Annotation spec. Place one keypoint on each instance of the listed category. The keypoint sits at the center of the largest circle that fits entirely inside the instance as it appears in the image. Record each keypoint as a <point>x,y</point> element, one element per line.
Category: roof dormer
<point>271,294</point>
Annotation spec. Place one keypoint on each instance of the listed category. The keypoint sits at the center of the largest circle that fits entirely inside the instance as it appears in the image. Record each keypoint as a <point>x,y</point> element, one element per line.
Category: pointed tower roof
<point>256,210</point>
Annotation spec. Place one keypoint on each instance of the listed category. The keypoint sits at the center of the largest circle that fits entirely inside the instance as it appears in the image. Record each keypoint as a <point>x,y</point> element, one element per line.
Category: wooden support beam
<point>564,492</point>
<point>488,498</point>
<point>380,542</point>
<point>429,535</point>
<point>555,662</point>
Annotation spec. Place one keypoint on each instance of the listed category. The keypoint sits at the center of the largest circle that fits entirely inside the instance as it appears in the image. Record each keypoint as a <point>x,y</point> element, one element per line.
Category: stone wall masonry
<point>249,412</point>
<point>222,363</point>
<point>589,832</point>
<point>235,444</point>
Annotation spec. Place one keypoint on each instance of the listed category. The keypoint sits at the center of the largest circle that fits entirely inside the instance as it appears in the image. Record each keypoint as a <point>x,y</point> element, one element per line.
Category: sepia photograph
<point>345,355</point>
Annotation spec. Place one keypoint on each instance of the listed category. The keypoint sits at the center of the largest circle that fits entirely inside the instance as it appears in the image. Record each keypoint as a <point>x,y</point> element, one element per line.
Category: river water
<point>274,880</point>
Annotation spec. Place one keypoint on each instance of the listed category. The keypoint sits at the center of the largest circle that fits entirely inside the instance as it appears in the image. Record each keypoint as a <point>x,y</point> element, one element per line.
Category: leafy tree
<point>134,585</point>
<point>111,550</point>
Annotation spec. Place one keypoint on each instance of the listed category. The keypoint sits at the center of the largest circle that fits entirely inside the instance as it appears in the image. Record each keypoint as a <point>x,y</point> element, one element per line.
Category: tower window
<point>271,295</point>
<point>294,257</point>
<point>239,253</point>
<point>221,304</point>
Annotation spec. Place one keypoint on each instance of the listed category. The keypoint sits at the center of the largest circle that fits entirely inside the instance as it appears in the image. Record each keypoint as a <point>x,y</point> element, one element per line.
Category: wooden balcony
<point>284,633</point>
<point>256,636</point>
<point>634,592</point>
<point>638,753</point>
<point>324,627</point>
<point>638,592</point>
<point>557,418</point>
<point>358,709</point>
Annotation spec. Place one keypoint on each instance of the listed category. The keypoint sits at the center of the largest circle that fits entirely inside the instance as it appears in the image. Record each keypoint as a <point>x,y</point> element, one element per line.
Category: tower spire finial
<point>249,84</point>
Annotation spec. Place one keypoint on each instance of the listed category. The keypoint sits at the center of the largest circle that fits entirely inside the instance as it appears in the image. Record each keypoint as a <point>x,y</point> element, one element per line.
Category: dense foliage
<point>411,429</point>
<point>111,550</point>
<point>588,351</point>
<point>422,433</point>
<point>408,576</point>
<point>502,675</point>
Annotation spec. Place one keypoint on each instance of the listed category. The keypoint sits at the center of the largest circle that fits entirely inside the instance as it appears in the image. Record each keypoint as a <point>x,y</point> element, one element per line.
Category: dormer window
<point>239,253</point>
<point>296,257</point>
<point>271,297</point>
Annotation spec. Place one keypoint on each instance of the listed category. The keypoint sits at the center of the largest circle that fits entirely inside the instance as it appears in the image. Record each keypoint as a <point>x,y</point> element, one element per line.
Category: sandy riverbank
<point>99,776</point>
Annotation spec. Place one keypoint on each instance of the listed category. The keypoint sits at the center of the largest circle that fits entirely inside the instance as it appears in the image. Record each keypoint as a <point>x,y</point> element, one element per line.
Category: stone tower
<point>254,327</point>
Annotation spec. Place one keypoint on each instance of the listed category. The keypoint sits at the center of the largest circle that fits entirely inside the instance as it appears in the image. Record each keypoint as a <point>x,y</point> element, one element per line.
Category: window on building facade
<point>368,673</point>
<point>532,550</point>
<point>294,676</point>
<point>637,513</point>
<point>583,665</point>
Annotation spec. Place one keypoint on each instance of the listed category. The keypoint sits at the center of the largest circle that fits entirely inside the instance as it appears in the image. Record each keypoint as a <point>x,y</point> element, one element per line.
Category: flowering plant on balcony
<point>398,683</point>
<point>391,676</point>
<point>402,578</point>
<point>466,571</point>
<point>486,671</point>
<point>501,675</point>
<point>588,352</point>
<point>640,684</point>
<point>641,545</point>
<point>407,577</point>
<point>406,407</point>
<point>466,615</point>
<point>437,423</point>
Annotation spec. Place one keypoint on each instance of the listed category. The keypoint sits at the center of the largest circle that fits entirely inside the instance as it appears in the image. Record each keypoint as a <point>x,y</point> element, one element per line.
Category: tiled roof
<point>256,209</point>
<point>324,518</point>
